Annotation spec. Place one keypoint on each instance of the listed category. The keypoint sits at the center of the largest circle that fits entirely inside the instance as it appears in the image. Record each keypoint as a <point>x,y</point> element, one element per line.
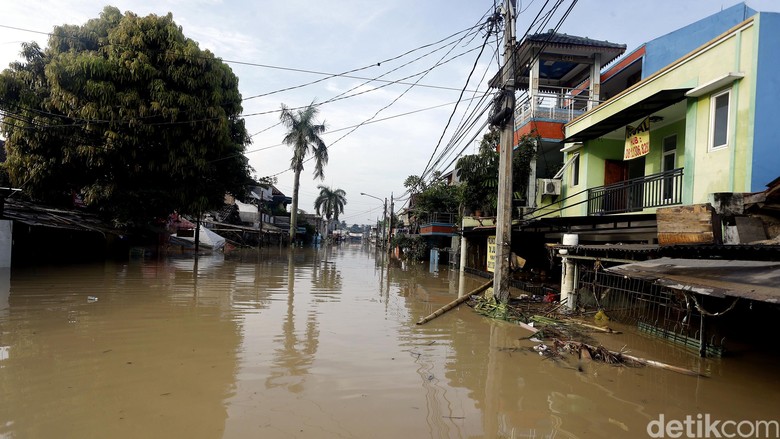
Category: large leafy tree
<point>127,112</point>
<point>303,135</point>
<point>436,197</point>
<point>330,203</point>
<point>478,174</point>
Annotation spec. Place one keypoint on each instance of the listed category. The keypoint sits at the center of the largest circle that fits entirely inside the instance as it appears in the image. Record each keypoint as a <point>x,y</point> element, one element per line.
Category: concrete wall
<point>766,133</point>
<point>725,170</point>
<point>666,49</point>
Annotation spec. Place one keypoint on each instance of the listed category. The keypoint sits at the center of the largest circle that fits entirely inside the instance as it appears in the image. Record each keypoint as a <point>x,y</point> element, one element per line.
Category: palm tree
<point>304,136</point>
<point>330,203</point>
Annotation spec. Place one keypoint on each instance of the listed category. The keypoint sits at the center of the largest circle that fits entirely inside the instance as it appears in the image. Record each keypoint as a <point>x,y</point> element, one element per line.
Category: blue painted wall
<point>766,131</point>
<point>668,48</point>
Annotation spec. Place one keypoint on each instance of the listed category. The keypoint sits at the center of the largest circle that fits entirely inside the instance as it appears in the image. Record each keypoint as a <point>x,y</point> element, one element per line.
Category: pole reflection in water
<point>319,343</point>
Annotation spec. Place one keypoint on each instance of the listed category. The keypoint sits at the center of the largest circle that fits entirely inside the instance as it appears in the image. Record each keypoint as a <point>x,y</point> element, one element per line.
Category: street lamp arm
<point>369,195</point>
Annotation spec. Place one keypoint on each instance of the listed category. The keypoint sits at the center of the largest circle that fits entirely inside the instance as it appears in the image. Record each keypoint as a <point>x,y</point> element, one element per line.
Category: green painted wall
<point>706,171</point>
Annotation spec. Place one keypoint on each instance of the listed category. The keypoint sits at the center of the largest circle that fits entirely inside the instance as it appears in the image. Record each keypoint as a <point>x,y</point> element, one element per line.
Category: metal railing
<point>655,190</point>
<point>439,217</point>
<point>656,310</point>
<point>554,103</point>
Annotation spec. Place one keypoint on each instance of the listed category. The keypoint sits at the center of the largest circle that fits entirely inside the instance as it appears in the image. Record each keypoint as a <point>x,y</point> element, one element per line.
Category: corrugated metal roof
<point>573,40</point>
<point>755,280</point>
<point>42,216</point>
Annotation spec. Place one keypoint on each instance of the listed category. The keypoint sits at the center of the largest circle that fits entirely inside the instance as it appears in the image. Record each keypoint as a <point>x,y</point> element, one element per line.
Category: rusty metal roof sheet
<point>755,280</point>
<point>42,216</point>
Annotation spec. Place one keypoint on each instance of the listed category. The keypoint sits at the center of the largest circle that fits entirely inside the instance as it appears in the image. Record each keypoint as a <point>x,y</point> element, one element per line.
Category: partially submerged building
<point>660,208</point>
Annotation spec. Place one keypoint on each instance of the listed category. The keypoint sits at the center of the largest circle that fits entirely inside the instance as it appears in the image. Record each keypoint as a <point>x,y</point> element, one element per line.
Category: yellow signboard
<point>637,140</point>
<point>491,254</point>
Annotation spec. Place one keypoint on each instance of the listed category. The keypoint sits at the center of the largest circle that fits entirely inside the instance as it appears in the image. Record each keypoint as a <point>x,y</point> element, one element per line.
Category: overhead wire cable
<point>439,63</point>
<point>379,79</point>
<point>465,126</point>
<point>348,72</point>
<point>484,43</point>
<point>346,128</point>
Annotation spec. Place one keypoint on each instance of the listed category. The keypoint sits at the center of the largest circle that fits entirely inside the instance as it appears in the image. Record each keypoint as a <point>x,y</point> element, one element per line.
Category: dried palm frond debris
<point>567,336</point>
<point>584,351</point>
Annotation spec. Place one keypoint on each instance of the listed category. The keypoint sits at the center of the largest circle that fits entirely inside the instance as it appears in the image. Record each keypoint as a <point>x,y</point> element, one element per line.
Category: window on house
<point>575,171</point>
<point>719,120</point>
<point>668,163</point>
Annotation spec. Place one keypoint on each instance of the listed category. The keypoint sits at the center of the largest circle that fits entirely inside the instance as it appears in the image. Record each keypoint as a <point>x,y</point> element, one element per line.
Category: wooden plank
<point>694,224</point>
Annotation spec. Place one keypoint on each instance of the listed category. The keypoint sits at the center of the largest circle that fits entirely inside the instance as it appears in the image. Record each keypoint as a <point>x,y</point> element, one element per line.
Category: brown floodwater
<point>322,343</point>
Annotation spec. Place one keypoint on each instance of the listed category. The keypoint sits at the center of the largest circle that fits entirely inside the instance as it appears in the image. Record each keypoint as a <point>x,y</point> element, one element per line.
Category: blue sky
<point>340,35</point>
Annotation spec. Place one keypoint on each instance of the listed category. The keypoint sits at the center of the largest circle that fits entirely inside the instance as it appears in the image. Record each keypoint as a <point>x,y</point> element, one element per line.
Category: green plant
<point>413,248</point>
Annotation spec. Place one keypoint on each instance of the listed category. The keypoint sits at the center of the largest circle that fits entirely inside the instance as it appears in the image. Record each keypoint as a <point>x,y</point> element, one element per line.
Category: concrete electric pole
<point>504,211</point>
<point>390,223</point>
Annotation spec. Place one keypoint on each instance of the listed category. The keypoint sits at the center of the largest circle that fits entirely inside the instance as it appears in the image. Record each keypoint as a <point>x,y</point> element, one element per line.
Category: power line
<point>440,62</point>
<point>466,123</point>
<point>344,128</point>
<point>346,74</point>
<point>476,61</point>
<point>328,75</point>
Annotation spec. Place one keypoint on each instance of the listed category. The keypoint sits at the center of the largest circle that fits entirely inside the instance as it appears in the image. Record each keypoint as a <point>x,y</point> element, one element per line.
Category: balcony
<point>635,195</point>
<point>438,224</point>
<point>556,104</point>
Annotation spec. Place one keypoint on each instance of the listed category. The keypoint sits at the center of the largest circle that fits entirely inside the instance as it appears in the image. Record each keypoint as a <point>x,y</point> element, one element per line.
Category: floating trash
<point>92,299</point>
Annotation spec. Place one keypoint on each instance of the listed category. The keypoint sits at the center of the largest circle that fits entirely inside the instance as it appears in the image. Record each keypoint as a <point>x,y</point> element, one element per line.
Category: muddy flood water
<point>323,343</point>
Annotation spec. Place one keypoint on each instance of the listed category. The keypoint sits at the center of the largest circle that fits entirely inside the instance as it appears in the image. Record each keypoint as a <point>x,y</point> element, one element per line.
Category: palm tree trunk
<point>294,211</point>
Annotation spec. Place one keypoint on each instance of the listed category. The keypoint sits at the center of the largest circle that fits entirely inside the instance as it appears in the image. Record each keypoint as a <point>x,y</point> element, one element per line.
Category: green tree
<point>478,174</point>
<point>415,184</point>
<point>127,112</point>
<point>437,197</point>
<point>303,134</point>
<point>330,203</point>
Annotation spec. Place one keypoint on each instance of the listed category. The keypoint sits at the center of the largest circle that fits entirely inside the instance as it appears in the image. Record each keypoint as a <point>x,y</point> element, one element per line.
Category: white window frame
<point>575,170</point>
<point>711,141</point>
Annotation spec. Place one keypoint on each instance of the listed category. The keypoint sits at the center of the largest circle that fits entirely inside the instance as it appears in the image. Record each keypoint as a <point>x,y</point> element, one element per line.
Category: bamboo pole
<point>594,327</point>
<point>582,347</point>
<point>666,366</point>
<point>455,302</point>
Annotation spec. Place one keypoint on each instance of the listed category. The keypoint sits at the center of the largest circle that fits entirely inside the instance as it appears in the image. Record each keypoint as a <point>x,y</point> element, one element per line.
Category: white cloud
<point>337,36</point>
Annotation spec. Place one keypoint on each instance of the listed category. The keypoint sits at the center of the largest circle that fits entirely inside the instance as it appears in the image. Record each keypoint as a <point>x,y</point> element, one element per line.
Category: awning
<point>560,172</point>
<point>755,280</point>
<point>644,108</point>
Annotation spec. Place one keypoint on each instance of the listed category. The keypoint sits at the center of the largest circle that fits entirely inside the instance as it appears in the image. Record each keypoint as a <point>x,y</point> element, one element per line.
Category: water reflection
<point>133,361</point>
<point>319,343</point>
<point>293,359</point>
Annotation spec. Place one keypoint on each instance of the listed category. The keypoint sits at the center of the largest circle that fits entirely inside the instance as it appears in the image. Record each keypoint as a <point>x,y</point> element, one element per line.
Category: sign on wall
<point>491,254</point>
<point>637,140</point>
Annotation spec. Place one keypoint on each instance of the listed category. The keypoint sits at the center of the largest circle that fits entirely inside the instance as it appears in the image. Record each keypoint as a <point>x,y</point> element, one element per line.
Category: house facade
<point>661,184</point>
<point>706,119</point>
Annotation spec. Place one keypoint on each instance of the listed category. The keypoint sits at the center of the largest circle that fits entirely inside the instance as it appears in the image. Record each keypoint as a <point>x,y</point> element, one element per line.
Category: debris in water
<point>91,299</point>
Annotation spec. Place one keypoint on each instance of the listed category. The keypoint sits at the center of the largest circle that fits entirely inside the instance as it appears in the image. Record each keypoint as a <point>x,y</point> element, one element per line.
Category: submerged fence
<point>656,310</point>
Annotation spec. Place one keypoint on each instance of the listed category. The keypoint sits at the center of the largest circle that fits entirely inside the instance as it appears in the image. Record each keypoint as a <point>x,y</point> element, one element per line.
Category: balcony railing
<point>553,103</point>
<point>656,190</point>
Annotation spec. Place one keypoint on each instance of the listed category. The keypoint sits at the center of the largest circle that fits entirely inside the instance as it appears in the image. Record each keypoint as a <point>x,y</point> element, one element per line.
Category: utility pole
<point>390,222</point>
<point>504,211</point>
<point>260,223</point>
<point>384,224</point>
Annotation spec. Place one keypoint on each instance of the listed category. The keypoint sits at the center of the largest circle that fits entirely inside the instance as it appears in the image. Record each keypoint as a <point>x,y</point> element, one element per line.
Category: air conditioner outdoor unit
<point>550,186</point>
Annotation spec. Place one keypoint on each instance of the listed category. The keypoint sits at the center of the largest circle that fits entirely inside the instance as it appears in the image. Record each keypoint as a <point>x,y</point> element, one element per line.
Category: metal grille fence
<point>657,310</point>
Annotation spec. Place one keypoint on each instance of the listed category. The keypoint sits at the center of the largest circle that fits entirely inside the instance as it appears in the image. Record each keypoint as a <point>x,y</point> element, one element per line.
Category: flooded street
<point>321,343</point>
